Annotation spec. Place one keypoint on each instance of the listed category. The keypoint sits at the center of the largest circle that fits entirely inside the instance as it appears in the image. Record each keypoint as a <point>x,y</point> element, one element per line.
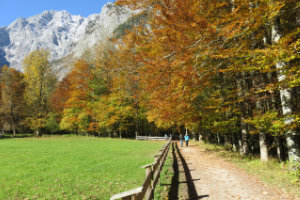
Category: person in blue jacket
<point>186,138</point>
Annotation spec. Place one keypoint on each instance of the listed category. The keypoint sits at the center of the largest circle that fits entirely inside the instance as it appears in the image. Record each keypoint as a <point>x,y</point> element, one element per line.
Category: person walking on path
<point>186,138</point>
<point>181,140</point>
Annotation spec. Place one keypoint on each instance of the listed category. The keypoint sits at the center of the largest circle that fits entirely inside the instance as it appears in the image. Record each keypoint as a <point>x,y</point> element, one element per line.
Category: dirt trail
<point>215,179</point>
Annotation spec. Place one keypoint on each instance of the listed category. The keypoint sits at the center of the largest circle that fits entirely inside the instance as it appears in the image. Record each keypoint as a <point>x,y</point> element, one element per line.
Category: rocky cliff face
<point>63,34</point>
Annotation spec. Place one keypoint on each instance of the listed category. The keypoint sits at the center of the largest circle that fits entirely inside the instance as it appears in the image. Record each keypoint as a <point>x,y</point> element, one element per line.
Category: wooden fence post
<point>149,172</point>
<point>158,159</point>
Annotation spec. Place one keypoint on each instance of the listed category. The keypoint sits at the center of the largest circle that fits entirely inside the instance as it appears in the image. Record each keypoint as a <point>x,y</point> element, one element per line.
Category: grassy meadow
<point>71,167</point>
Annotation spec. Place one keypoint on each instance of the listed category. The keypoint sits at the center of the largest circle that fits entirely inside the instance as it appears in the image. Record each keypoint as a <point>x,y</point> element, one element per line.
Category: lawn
<point>71,168</point>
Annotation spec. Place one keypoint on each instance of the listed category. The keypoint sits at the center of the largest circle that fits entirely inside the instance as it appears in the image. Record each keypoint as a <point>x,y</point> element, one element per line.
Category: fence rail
<point>151,138</point>
<point>146,191</point>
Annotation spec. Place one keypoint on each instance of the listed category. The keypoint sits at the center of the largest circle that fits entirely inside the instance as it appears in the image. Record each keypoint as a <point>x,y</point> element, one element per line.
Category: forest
<point>226,71</point>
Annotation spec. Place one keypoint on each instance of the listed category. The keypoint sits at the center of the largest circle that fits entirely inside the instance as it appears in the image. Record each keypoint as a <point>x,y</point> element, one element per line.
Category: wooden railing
<point>151,138</point>
<point>146,191</point>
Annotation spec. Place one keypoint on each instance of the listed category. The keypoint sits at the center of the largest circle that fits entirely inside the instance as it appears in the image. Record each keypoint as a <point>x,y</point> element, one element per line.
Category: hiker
<point>181,140</point>
<point>186,138</point>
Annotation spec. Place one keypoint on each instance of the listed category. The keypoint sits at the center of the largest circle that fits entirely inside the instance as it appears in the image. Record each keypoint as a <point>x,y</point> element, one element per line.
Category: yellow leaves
<point>40,80</point>
<point>35,123</point>
<point>274,9</point>
<point>69,121</point>
<point>269,122</point>
<point>36,64</point>
<point>77,113</point>
<point>114,108</point>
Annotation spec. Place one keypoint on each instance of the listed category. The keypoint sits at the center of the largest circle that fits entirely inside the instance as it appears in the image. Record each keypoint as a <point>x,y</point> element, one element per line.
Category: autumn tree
<point>12,105</point>
<point>113,108</point>
<point>40,79</point>
<point>60,95</point>
<point>85,84</point>
<point>215,62</point>
<point>75,109</point>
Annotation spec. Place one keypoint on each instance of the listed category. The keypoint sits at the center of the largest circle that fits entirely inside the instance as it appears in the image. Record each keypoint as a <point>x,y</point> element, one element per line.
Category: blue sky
<point>10,10</point>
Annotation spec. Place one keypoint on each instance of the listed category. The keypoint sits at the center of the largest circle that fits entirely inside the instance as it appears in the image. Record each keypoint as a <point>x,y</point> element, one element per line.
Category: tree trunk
<point>240,143</point>
<point>13,128</point>
<point>276,107</point>
<point>136,134</point>
<point>227,141</point>
<point>218,138</point>
<point>244,126</point>
<point>253,142</point>
<point>279,148</point>
<point>38,132</point>
<point>264,155</point>
<point>245,144</point>
<point>292,137</point>
<point>234,143</point>
<point>12,116</point>
<point>200,134</point>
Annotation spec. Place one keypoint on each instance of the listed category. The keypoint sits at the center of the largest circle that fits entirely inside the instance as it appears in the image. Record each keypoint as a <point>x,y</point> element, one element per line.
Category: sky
<point>10,10</point>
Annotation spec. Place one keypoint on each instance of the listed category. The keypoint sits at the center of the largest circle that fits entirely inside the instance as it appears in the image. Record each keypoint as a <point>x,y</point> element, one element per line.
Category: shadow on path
<point>173,192</point>
<point>190,182</point>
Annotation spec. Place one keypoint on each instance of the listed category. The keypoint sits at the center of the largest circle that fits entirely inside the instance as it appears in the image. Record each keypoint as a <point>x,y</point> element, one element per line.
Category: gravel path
<point>216,179</point>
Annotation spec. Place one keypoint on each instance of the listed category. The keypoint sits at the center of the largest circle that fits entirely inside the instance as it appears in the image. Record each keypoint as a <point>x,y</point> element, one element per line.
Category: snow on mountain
<point>60,32</point>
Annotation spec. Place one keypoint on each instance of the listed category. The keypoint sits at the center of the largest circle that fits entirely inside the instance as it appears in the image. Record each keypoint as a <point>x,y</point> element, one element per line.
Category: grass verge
<point>164,185</point>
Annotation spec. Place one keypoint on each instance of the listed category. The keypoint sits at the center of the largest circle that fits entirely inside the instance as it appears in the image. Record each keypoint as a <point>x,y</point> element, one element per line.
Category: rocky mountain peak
<point>60,32</point>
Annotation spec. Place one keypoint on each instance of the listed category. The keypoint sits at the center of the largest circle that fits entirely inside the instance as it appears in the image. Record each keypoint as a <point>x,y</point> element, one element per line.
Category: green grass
<point>273,173</point>
<point>71,167</point>
<point>162,188</point>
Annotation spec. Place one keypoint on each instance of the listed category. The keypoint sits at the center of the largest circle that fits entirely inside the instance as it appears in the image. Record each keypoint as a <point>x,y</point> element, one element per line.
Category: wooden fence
<point>146,191</point>
<point>151,138</point>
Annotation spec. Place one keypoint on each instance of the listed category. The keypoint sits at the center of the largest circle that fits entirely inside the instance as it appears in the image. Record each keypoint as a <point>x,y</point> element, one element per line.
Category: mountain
<point>66,36</point>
